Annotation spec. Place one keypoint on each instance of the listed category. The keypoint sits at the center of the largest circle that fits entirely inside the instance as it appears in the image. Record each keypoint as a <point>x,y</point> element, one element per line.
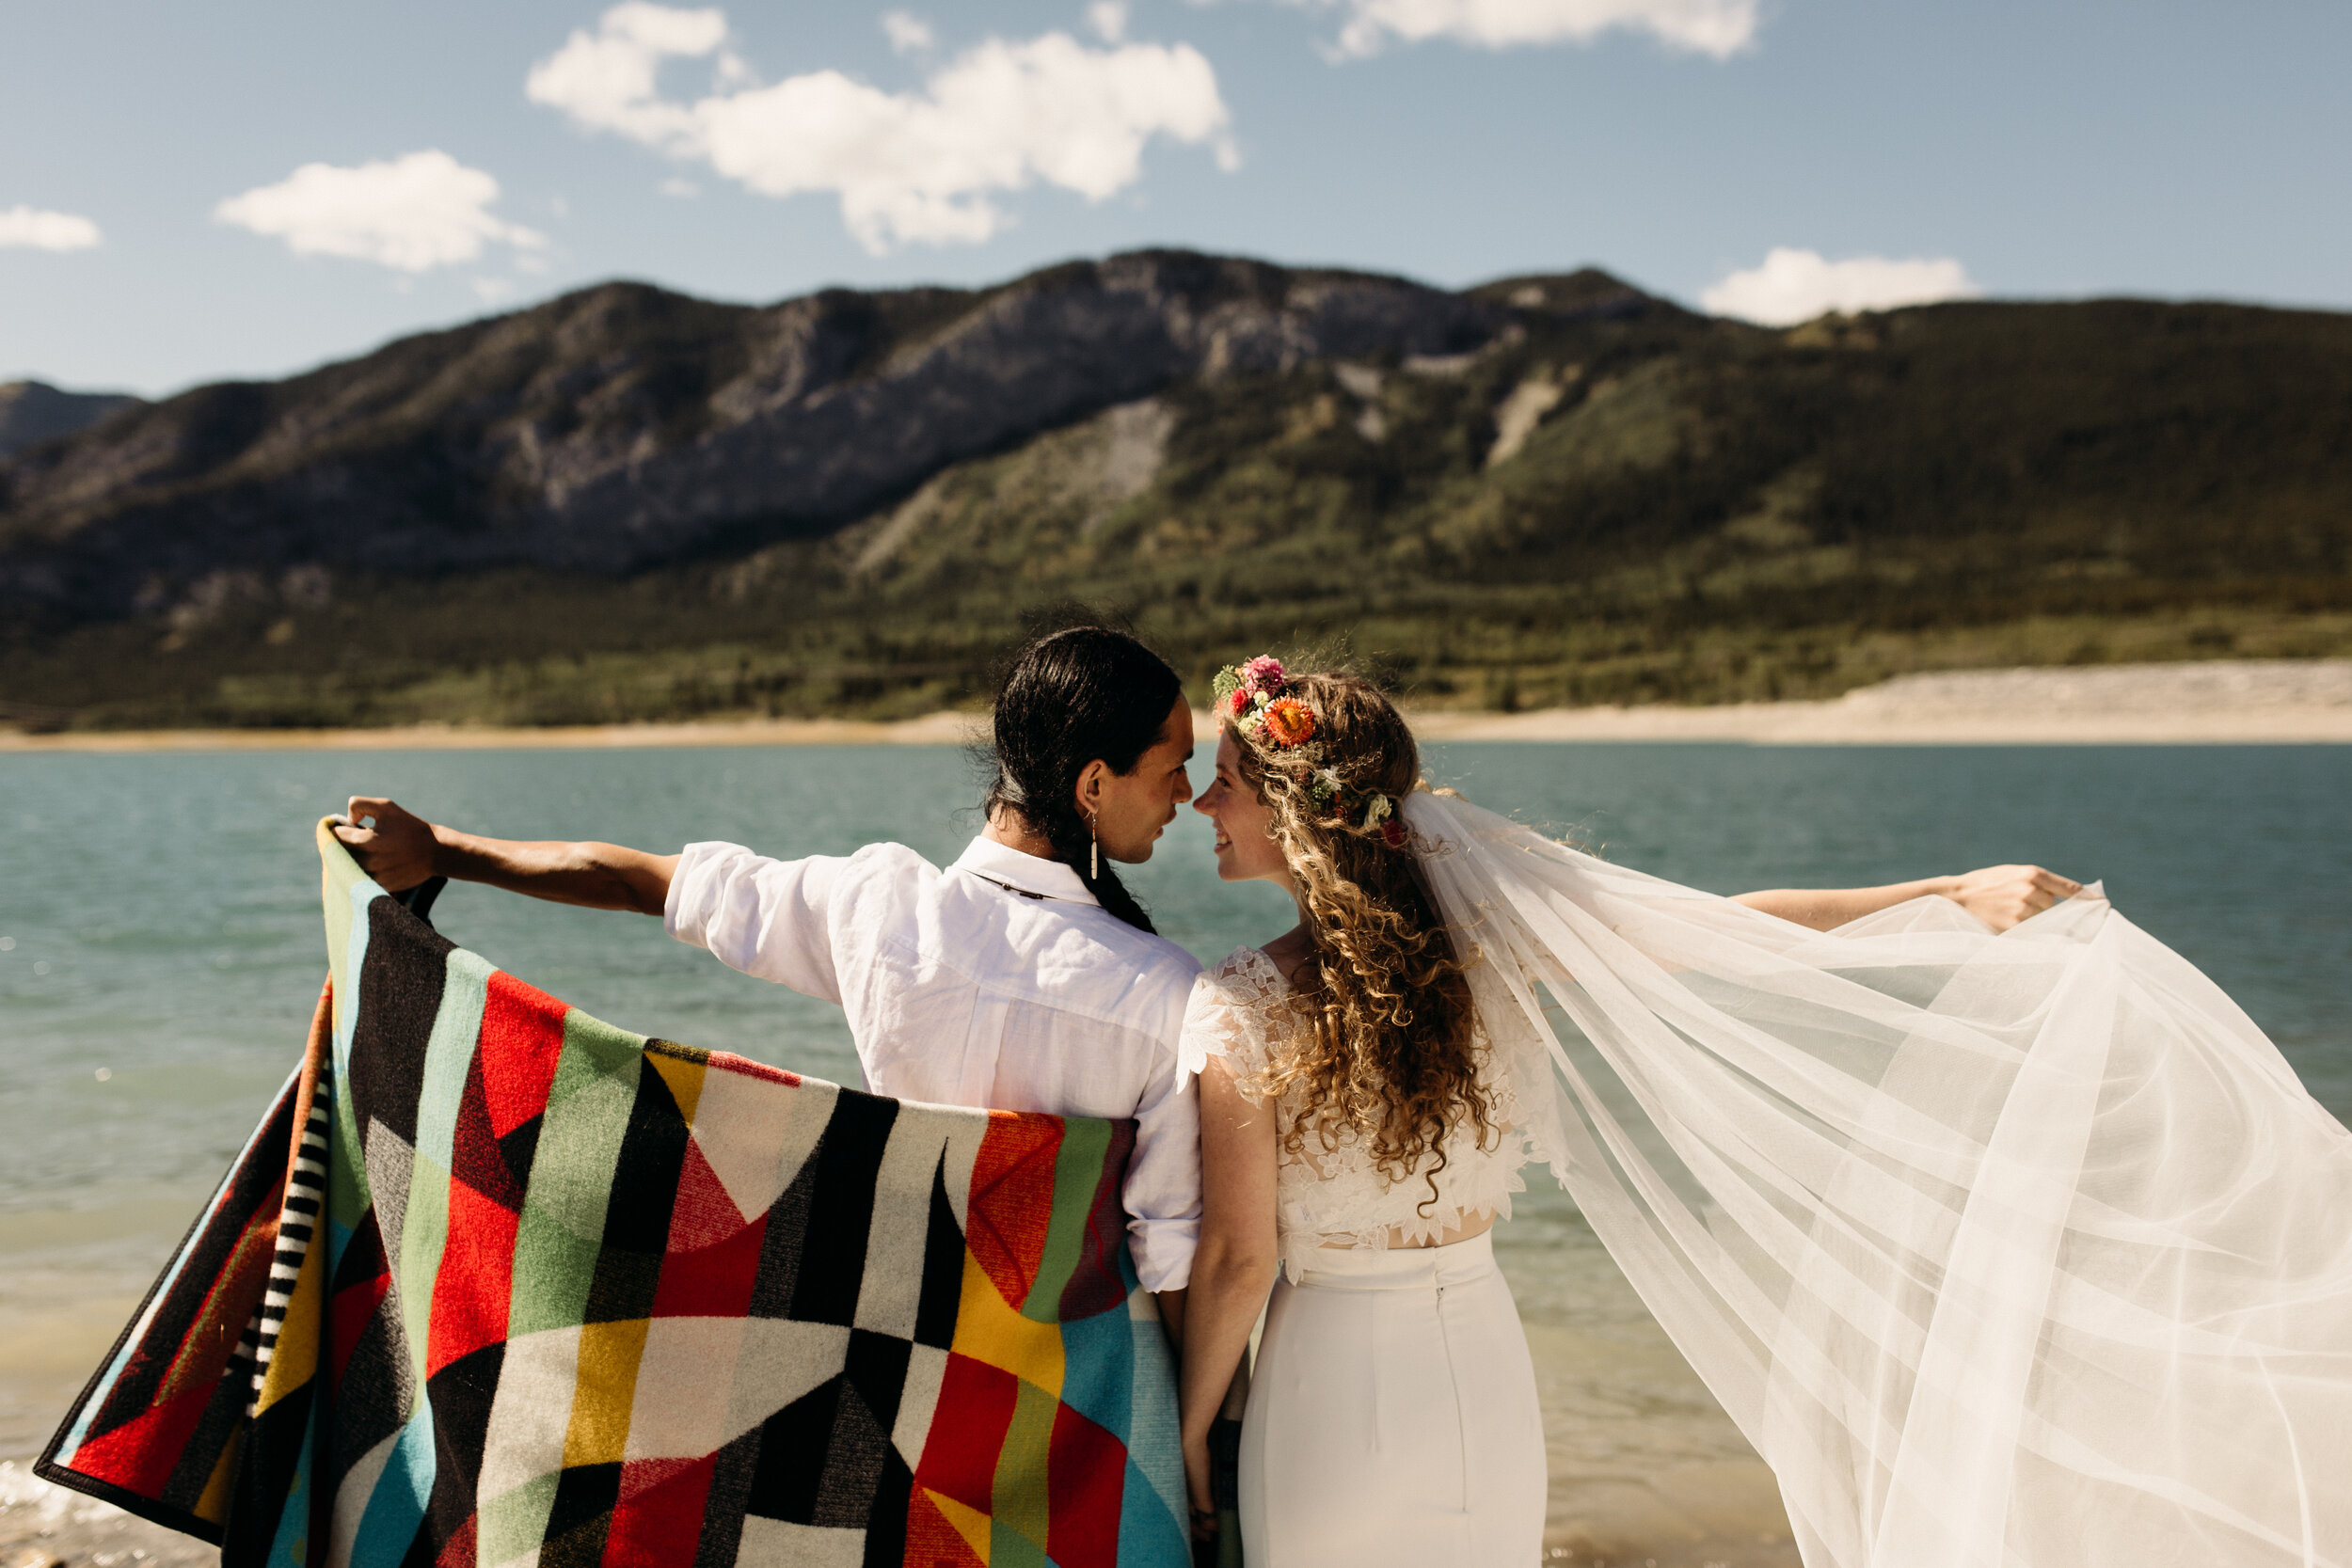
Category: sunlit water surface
<point>159,949</point>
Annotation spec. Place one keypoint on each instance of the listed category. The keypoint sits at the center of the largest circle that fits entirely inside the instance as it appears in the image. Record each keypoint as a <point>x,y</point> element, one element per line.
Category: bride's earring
<point>1094,851</point>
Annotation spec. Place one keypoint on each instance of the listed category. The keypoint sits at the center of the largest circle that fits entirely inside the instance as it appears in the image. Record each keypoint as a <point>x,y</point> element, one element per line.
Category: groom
<point>1023,977</point>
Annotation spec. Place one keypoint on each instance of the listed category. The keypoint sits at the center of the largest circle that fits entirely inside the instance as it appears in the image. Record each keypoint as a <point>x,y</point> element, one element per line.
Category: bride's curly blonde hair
<point>1386,1039</point>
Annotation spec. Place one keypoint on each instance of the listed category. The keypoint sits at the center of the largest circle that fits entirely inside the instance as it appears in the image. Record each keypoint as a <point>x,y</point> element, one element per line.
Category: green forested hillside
<point>1612,504</point>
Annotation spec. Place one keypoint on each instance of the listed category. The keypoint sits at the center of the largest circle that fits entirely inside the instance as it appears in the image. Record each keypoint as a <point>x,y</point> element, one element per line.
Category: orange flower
<point>1288,721</point>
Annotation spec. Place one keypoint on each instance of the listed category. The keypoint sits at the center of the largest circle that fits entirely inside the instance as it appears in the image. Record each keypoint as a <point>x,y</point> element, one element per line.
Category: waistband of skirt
<point>1401,1268</point>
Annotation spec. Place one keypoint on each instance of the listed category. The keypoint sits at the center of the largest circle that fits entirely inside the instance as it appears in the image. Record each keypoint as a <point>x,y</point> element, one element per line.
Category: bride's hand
<point>2003,895</point>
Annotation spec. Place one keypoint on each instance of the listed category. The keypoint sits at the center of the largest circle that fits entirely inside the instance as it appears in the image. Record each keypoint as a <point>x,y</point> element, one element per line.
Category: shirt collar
<point>1022,873</point>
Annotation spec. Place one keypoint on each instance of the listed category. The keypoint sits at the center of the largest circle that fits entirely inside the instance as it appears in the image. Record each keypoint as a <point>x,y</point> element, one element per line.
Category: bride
<point>2018,1248</point>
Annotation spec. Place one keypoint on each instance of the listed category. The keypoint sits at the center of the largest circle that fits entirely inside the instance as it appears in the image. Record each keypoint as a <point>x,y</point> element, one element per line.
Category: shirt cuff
<point>1163,1252</point>
<point>686,912</point>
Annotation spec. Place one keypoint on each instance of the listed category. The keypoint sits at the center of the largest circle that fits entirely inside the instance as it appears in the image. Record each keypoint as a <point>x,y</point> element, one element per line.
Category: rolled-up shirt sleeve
<point>1162,1190</point>
<point>766,917</point>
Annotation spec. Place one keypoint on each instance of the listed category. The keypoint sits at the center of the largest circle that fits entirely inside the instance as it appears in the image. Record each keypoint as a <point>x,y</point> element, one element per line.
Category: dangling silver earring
<point>1094,851</point>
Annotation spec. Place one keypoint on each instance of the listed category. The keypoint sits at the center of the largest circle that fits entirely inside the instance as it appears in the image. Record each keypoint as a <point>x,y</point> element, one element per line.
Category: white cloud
<point>413,212</point>
<point>1717,27</point>
<point>1108,18</point>
<point>907,35</point>
<point>1798,285</point>
<point>606,78</point>
<point>907,166</point>
<point>492,290</point>
<point>685,190</point>
<point>31,228</point>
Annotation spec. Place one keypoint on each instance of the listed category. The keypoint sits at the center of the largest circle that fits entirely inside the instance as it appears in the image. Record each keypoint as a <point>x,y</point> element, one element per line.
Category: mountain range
<point>628,503</point>
<point>34,411</point>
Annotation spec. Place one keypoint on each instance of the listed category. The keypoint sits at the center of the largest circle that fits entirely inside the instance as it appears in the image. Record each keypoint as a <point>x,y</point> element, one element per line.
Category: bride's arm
<point>1234,1265</point>
<point>2000,896</point>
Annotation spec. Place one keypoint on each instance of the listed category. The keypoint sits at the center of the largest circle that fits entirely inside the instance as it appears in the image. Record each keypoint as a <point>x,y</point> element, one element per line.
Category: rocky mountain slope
<point>624,426</point>
<point>34,411</point>
<point>629,504</point>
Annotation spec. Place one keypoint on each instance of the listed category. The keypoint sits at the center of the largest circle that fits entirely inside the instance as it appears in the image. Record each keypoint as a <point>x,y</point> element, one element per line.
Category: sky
<point>190,193</point>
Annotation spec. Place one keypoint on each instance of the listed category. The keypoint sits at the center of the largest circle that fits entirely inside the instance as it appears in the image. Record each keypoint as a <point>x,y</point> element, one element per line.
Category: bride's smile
<point>1245,850</point>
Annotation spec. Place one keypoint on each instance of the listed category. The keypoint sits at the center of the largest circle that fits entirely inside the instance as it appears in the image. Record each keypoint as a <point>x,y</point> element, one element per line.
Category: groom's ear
<point>1088,794</point>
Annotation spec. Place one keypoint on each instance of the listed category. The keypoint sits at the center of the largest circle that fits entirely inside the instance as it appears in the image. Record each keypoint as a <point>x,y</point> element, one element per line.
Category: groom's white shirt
<point>999,982</point>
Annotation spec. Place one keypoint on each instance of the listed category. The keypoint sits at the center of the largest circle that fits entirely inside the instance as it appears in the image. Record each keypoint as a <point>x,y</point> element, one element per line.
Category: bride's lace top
<point>1327,1196</point>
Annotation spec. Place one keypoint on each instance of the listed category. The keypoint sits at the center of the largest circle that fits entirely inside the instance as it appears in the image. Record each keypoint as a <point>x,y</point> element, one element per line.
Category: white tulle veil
<point>2024,1249</point>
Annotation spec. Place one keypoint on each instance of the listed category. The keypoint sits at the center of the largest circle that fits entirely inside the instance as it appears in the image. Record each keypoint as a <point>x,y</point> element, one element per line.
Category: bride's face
<point>1245,852</point>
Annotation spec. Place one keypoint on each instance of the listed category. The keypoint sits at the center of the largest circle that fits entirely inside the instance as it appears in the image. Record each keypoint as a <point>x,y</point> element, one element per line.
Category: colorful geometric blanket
<point>581,1298</point>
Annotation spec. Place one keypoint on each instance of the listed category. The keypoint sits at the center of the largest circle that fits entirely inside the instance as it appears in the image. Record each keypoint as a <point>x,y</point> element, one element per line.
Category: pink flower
<point>1238,703</point>
<point>1263,672</point>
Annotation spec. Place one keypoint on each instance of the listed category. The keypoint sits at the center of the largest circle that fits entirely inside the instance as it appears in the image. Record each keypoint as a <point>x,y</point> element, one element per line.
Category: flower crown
<point>1250,697</point>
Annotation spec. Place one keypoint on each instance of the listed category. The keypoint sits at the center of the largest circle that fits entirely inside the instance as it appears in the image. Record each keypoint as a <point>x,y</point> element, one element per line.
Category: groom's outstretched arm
<point>2000,896</point>
<point>398,849</point>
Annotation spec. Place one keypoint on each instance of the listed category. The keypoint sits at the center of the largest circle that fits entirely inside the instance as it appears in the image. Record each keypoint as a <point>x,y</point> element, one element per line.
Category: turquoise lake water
<point>159,949</point>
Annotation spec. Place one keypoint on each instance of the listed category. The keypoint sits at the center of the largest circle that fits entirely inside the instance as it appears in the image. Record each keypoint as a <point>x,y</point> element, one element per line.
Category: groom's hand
<point>393,847</point>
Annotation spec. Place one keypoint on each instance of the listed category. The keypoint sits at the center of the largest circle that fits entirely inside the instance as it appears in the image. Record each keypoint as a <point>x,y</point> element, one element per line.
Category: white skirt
<point>1393,1418</point>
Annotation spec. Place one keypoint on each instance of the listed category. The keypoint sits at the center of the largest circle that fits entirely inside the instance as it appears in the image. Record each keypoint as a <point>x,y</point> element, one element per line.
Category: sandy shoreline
<point>936,729</point>
<point>2245,702</point>
<point>2249,702</point>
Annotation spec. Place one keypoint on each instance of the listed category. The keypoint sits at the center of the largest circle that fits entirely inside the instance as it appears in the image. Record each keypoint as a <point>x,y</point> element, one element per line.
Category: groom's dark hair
<point>1064,699</point>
